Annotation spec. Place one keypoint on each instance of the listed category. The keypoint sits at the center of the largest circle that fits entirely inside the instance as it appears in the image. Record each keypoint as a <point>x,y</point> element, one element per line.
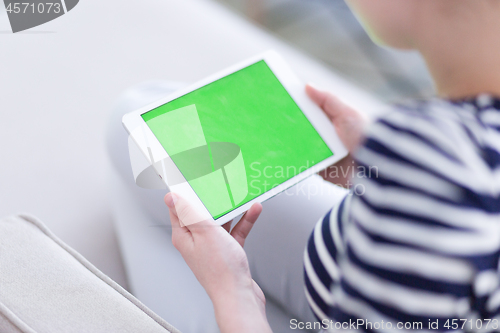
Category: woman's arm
<point>217,259</point>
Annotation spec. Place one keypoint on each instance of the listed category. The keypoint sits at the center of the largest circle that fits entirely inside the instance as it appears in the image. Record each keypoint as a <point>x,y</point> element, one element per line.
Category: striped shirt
<point>419,240</point>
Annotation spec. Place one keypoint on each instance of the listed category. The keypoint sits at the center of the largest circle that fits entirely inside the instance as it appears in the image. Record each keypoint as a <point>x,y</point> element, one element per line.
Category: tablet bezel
<point>151,148</point>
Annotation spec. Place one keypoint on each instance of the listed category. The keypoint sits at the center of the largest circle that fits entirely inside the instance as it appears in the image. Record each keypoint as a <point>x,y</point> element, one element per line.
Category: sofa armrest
<point>45,286</point>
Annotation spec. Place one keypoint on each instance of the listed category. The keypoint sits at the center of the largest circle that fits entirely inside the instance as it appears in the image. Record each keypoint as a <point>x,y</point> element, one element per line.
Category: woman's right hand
<point>349,125</point>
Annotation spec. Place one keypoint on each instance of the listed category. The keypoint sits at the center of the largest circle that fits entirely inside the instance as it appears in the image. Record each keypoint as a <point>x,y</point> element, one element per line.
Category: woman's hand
<point>216,256</point>
<point>349,125</point>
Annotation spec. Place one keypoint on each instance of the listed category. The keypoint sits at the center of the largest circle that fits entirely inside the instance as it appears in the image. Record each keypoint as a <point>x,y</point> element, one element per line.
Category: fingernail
<point>313,85</point>
<point>171,199</point>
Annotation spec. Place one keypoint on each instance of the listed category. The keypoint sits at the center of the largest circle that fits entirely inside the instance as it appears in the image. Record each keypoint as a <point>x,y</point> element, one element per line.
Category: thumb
<point>348,122</point>
<point>330,104</point>
<point>187,213</point>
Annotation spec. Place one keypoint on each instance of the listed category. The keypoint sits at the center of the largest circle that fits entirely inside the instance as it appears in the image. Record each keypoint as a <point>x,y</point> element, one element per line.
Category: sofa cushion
<point>45,286</point>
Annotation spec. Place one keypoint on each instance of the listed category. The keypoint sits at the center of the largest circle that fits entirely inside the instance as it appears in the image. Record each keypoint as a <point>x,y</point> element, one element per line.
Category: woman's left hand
<point>216,256</point>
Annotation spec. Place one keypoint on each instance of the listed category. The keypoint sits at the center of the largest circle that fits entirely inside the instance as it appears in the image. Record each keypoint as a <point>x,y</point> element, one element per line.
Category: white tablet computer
<point>237,137</point>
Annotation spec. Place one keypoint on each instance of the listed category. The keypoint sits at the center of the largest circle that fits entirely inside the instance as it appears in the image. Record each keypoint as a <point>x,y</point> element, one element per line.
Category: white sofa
<point>46,286</point>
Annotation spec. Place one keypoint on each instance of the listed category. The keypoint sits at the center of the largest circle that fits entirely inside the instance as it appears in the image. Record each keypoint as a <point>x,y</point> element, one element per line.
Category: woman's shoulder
<point>443,140</point>
<point>435,113</point>
<point>421,128</point>
<point>441,113</point>
<point>449,127</point>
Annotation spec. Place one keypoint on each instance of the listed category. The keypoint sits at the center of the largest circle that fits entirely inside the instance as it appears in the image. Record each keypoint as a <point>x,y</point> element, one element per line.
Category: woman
<point>420,247</point>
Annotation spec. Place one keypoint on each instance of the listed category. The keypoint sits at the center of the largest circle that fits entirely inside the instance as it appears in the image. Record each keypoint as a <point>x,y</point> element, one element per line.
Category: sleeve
<point>403,250</point>
<point>321,268</point>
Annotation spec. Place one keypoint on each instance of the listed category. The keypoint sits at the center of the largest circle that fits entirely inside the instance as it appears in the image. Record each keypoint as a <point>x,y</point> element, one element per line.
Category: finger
<point>330,104</point>
<point>187,213</point>
<point>170,200</point>
<point>193,219</point>
<point>243,227</point>
<point>180,234</point>
<point>227,226</point>
<point>318,96</point>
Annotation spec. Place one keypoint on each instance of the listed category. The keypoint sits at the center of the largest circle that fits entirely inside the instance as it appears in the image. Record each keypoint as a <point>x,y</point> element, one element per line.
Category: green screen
<point>236,138</point>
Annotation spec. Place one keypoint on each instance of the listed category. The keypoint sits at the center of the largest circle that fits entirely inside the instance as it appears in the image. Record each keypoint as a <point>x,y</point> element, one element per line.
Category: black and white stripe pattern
<point>423,240</point>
